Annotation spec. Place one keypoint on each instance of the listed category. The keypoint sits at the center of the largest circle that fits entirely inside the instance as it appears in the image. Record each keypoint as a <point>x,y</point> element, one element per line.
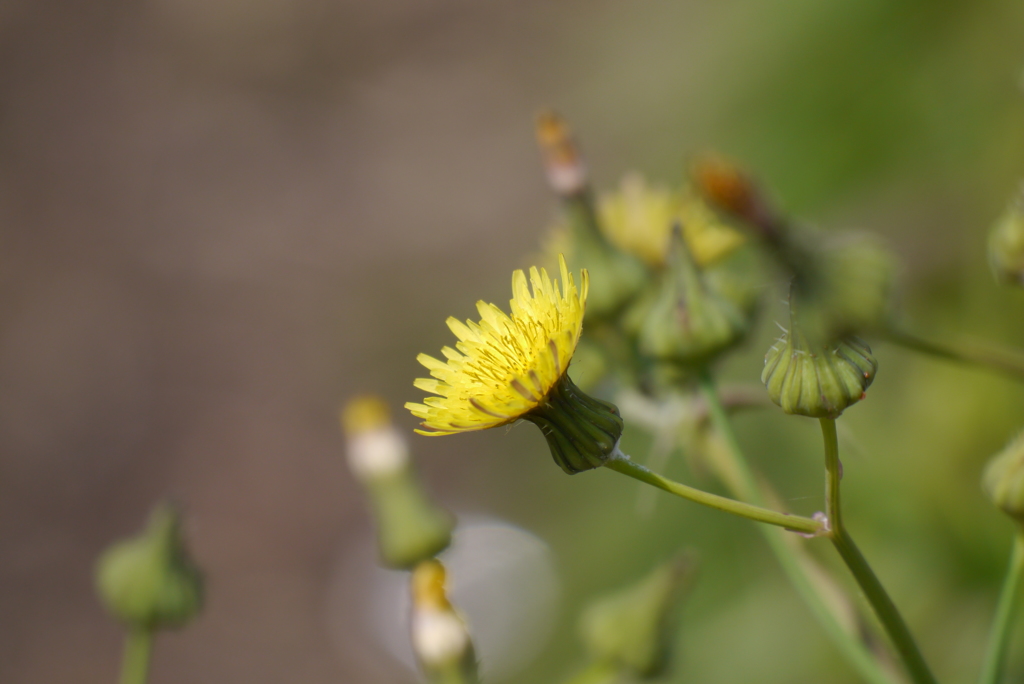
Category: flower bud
<point>410,528</point>
<point>440,638</point>
<point>689,322</point>
<point>817,380</point>
<point>150,582</point>
<point>729,188</point>
<point>1003,479</point>
<point>633,629</point>
<point>615,275</point>
<point>1006,244</point>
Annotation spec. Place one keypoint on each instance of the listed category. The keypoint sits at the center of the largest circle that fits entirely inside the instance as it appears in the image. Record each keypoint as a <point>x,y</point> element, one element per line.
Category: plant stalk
<point>741,482</point>
<point>873,590</point>
<point>999,638</point>
<point>1003,361</point>
<point>138,648</point>
<point>620,463</point>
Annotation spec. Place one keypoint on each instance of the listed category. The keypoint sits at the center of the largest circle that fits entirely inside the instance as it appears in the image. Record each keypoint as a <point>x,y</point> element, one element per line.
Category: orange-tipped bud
<point>563,163</point>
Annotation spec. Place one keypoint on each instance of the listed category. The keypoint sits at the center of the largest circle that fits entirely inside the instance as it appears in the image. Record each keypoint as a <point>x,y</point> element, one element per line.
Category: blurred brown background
<point>219,219</point>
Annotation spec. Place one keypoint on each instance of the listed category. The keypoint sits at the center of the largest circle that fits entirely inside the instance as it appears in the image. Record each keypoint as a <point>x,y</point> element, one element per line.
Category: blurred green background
<point>220,219</point>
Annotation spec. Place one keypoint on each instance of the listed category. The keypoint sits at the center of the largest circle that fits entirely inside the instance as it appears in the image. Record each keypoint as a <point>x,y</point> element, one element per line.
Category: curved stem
<point>1003,361</point>
<point>806,577</point>
<point>620,463</point>
<point>873,590</point>
<point>995,655</point>
<point>138,646</point>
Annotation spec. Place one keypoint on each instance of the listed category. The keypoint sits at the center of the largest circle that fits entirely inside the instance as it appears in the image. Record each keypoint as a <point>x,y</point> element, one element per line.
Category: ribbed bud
<point>817,380</point>
<point>1006,244</point>
<point>1003,479</point>
<point>689,322</point>
<point>410,527</point>
<point>440,638</point>
<point>582,432</point>
<point>633,629</point>
<point>150,582</point>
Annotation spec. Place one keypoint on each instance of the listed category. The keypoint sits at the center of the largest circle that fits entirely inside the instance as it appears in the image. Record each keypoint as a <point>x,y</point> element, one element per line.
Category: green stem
<point>995,655</point>
<point>1004,361</point>
<point>138,647</point>
<point>873,590</point>
<point>802,572</point>
<point>620,463</point>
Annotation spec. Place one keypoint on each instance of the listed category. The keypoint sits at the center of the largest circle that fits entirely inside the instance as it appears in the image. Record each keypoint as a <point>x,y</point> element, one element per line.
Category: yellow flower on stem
<point>507,367</point>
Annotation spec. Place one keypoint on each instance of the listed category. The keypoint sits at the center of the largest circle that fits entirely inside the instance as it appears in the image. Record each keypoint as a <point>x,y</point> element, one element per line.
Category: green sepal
<point>582,432</point>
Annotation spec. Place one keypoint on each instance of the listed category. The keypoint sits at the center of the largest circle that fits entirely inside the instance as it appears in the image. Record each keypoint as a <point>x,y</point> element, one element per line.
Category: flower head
<point>514,366</point>
<point>504,365</point>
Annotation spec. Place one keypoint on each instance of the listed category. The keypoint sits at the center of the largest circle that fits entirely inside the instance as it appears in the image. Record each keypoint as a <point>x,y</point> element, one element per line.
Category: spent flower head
<point>507,367</point>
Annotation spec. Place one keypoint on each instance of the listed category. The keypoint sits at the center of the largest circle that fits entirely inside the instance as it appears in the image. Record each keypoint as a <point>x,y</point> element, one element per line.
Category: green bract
<point>817,380</point>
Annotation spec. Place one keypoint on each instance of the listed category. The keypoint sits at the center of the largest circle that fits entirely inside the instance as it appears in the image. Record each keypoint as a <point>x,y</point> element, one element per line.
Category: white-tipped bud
<point>375,448</point>
<point>440,637</point>
<point>410,527</point>
<point>378,453</point>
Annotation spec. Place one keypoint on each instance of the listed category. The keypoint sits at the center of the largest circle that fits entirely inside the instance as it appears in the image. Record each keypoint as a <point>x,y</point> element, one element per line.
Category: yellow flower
<point>507,364</point>
<point>514,366</point>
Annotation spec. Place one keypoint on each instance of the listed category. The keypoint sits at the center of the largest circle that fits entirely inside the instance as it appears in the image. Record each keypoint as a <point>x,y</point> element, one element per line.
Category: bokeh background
<point>220,219</point>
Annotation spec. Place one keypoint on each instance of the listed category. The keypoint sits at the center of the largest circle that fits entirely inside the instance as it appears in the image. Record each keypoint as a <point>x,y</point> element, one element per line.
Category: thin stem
<point>620,463</point>
<point>995,655</point>
<point>138,647</point>
<point>873,590</point>
<point>1003,361</point>
<point>807,578</point>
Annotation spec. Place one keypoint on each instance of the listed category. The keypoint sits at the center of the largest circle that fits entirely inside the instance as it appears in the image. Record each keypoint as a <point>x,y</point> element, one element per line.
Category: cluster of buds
<point>410,527</point>
<point>665,267</point>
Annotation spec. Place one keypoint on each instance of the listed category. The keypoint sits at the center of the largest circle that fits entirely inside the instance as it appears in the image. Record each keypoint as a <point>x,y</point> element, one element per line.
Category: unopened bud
<point>1003,479</point>
<point>615,276</point>
<point>730,189</point>
<point>440,637</point>
<point>689,322</point>
<point>410,528</point>
<point>818,380</point>
<point>150,582</point>
<point>563,163</point>
<point>1006,244</point>
<point>633,629</point>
